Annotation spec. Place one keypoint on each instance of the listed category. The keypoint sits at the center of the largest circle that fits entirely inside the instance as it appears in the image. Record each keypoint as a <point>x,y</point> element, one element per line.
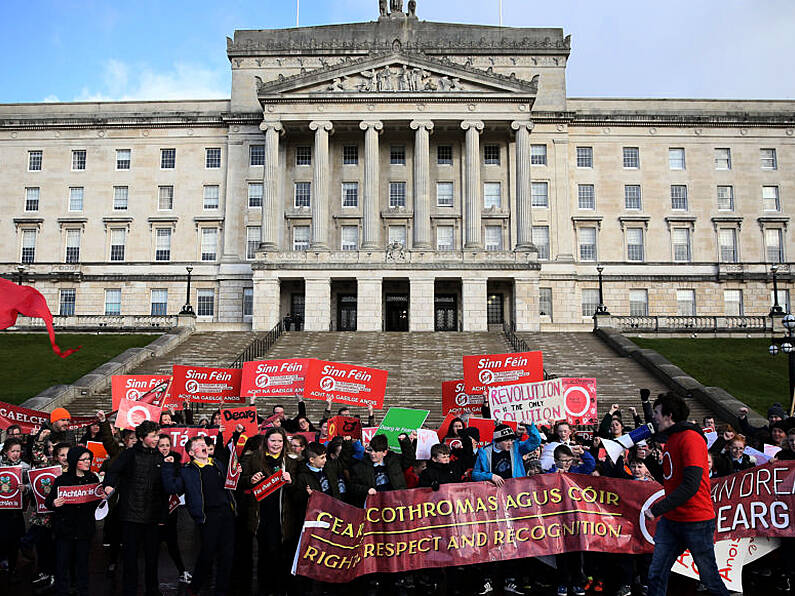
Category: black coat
<point>363,476</point>
<point>72,521</point>
<point>136,474</point>
<point>436,474</point>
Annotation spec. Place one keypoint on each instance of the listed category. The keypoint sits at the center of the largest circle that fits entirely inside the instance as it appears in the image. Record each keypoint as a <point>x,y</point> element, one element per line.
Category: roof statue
<point>390,7</point>
<point>396,5</point>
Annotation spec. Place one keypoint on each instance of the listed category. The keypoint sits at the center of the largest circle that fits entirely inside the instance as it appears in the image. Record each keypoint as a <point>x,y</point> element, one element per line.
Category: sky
<point>93,50</point>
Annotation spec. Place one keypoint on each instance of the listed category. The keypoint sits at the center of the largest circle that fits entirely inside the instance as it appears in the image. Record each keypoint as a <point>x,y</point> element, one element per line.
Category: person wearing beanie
<point>73,525</point>
<point>59,427</point>
<point>759,435</point>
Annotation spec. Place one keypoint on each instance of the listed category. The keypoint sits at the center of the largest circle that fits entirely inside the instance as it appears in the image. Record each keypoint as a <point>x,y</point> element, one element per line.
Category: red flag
<point>24,300</point>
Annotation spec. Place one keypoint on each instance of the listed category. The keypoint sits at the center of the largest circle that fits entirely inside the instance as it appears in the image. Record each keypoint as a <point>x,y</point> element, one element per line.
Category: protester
<point>738,459</point>
<point>168,530</point>
<point>12,522</point>
<point>761,434</point>
<point>40,533</point>
<point>59,425</point>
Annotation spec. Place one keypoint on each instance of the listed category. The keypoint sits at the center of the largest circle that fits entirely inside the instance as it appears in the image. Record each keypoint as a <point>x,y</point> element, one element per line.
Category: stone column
<point>269,231</point>
<point>317,298</point>
<point>421,296</point>
<point>524,218</point>
<point>266,301</point>
<point>525,293</point>
<point>320,185</point>
<point>422,191</point>
<point>473,293</point>
<point>370,202</point>
<point>473,202</point>
<point>369,298</point>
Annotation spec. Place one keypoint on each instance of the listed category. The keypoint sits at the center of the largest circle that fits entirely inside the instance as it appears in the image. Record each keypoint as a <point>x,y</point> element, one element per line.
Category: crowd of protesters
<point>145,473</point>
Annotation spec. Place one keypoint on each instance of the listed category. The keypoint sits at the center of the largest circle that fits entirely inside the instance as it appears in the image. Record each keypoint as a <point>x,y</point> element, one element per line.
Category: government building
<point>399,175</point>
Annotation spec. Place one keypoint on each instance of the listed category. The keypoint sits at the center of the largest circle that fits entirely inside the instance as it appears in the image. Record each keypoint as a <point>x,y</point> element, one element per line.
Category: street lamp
<point>21,274</point>
<point>188,309</point>
<point>786,344</point>
<point>601,309</point>
<point>775,310</point>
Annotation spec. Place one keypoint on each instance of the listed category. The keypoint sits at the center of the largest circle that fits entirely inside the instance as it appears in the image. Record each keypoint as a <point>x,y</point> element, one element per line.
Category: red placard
<point>180,435</point>
<point>368,432</point>
<point>233,469</point>
<point>10,487</point>
<point>445,427</point>
<point>268,486</point>
<point>82,493</point>
<point>501,369</point>
<point>246,417</point>
<point>100,455</point>
<point>133,387</point>
<point>344,426</point>
<point>274,378</point>
<point>207,385</point>
<point>133,413</point>
<point>173,502</point>
<point>345,383</point>
<point>579,397</point>
<point>486,428</point>
<point>310,437</point>
<point>42,480</point>
<point>457,401</point>
<point>30,421</point>
<point>454,442</point>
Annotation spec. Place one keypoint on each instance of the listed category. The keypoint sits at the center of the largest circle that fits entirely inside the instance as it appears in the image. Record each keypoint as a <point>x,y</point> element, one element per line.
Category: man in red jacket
<point>688,520</point>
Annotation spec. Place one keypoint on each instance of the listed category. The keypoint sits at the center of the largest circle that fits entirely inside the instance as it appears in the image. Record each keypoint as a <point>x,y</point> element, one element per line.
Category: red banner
<point>133,413</point>
<point>132,387</point>
<point>100,455</point>
<point>487,370</point>
<point>456,401</point>
<point>83,493</point>
<point>207,385</point>
<point>345,383</point>
<point>30,421</point>
<point>245,417</point>
<point>42,480</point>
<point>11,487</point>
<point>232,470</point>
<point>344,426</point>
<point>579,397</point>
<point>180,435</point>
<point>274,378</point>
<point>268,486</point>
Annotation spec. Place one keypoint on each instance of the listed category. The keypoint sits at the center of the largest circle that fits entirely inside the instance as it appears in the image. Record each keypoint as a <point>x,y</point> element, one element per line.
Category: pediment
<point>396,73</point>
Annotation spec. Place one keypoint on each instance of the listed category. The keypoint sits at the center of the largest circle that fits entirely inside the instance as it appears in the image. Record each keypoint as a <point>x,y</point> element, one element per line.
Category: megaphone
<point>615,449</point>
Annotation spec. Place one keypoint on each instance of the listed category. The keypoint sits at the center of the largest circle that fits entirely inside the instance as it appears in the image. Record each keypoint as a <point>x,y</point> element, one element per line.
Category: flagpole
<point>297,12</point>
<point>500,2</point>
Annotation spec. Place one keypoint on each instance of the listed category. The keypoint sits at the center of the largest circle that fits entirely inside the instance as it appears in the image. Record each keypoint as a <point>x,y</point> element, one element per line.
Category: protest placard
<point>579,399</point>
<point>425,440</point>
<point>83,493</point>
<point>133,413</point>
<point>268,486</point>
<point>486,370</point>
<point>11,487</point>
<point>458,402</point>
<point>245,417</point>
<point>345,383</point>
<point>771,450</point>
<point>344,426</point>
<point>445,426</point>
<point>180,434</point>
<point>232,469</point>
<point>485,427</point>
<point>368,432</point>
<point>207,384</point>
<point>97,449</point>
<point>274,378</point>
<point>133,387</point>
<point>528,402</point>
<point>41,480</point>
<point>400,421</point>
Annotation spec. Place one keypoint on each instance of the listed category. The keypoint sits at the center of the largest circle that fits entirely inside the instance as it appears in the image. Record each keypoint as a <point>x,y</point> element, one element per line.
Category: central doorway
<point>445,312</point>
<point>346,312</point>
<point>396,317</point>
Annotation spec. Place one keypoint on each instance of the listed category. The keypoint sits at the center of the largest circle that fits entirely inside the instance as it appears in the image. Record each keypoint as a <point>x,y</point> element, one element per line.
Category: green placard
<point>399,421</point>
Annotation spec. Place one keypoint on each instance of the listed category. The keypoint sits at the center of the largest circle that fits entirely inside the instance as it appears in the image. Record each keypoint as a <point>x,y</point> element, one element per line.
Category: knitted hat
<point>59,414</point>
<point>776,410</point>
<point>503,432</point>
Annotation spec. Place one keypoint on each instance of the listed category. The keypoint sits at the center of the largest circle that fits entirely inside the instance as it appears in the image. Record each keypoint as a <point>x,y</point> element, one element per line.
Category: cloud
<point>51,99</point>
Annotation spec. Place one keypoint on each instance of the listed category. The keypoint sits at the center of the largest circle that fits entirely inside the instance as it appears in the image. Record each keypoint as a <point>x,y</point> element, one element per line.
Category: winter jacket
<point>188,479</point>
<point>587,465</point>
<point>363,476</point>
<point>74,522</point>
<point>250,507</point>
<point>136,473</point>
<point>64,436</point>
<point>482,469</point>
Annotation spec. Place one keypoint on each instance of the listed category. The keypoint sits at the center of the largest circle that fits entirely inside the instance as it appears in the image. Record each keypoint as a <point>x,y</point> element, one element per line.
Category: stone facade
<point>400,174</point>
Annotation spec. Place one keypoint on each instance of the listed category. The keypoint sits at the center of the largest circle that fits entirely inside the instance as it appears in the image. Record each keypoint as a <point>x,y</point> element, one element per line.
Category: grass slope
<point>743,367</point>
<point>28,365</point>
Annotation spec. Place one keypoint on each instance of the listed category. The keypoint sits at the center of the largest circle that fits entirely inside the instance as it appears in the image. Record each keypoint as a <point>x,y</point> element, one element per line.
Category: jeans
<point>71,554</point>
<point>134,537</point>
<point>217,544</point>
<point>671,539</point>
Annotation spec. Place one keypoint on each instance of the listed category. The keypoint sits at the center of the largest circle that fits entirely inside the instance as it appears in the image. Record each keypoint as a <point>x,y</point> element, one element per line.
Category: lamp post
<point>601,309</point>
<point>787,345</point>
<point>188,309</point>
<point>775,310</point>
<point>21,274</point>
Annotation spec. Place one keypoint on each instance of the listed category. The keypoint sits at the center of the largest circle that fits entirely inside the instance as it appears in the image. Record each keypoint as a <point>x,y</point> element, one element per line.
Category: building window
<point>211,197</point>
<point>632,198</point>
<point>539,194</point>
<point>492,195</point>
<point>770,198</point>
<point>686,303</point>
<point>76,198</point>
<point>28,246</point>
<point>587,238</point>
<point>163,244</point>
<point>168,159</point>
<point>727,241</point>
<point>726,198</point>
<point>545,302</point>
<point>256,155</point>
<point>397,194</point>
<point>350,155</point>
<point>72,246</point>
<point>397,155</point>
<point>209,245</point>
<point>303,194</point>
<point>32,198</point>
<point>248,302</point>
<point>253,235</point>
<point>444,194</point>
<point>723,159</point>
<point>205,302</point>
<point>733,303</point>
<point>635,244</point>
<point>444,238</point>
<point>774,247</point>
<point>584,157</point>
<point>768,159</point>
<point>590,301</point>
<point>123,159</point>
<point>783,300</point>
<point>303,155</point>
<point>676,158</point>
<point>255,194</point>
<point>631,158</point>
<point>540,236</point>
<point>538,155</point>
<point>212,157</point>
<point>349,238</point>
<point>491,155</point>
<point>121,195</point>
<point>165,198</point>
<point>495,309</point>
<point>350,194</point>
<point>638,303</point>
<point>493,238</point>
<point>113,301</point>
<point>586,196</point>
<point>397,235</point>
<point>66,303</point>
<point>301,238</point>
<point>679,197</point>
<point>680,238</point>
<point>34,161</point>
<point>444,155</point>
<point>159,302</point>
<point>118,240</point>
<point>79,159</point>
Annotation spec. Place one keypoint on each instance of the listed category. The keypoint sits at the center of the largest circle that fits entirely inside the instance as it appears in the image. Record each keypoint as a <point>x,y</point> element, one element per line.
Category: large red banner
<point>41,480</point>
<point>486,370</point>
<point>345,383</point>
<point>30,421</point>
<point>456,401</point>
<point>11,487</point>
<point>133,387</point>
<point>206,384</point>
<point>83,493</point>
<point>180,435</point>
<point>274,378</point>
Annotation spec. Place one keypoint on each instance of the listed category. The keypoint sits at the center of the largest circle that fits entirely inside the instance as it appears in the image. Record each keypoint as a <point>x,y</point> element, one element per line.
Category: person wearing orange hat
<point>59,424</point>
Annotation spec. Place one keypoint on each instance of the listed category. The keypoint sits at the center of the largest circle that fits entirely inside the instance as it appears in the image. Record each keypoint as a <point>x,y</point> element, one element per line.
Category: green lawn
<point>28,365</point>
<point>743,367</point>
